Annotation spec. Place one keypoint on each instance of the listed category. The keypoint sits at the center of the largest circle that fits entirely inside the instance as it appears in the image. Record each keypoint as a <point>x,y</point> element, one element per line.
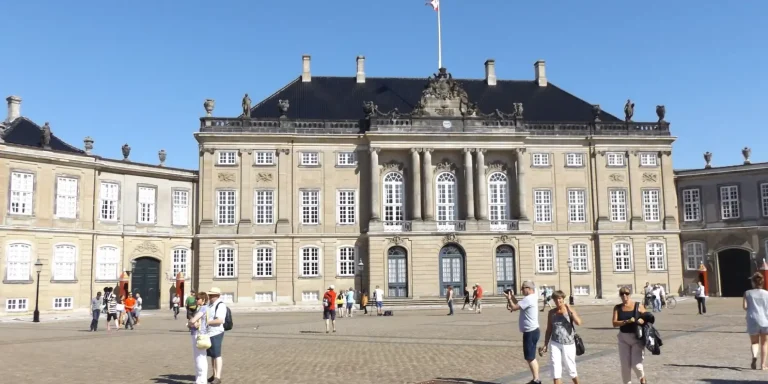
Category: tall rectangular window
<point>691,205</point>
<point>64,258</point>
<point>108,194</point>
<point>225,262</point>
<point>264,205</point>
<point>180,259</point>
<point>545,258</point>
<point>764,198</point>
<point>107,263</point>
<point>542,200</point>
<point>729,202</point>
<point>310,261</point>
<point>147,205</point>
<point>651,205</point>
<point>622,257</point>
<point>180,207</point>
<point>310,207</point>
<point>618,205</point>
<point>18,262</point>
<point>66,197</point>
<point>655,254</point>
<point>346,206</point>
<point>346,261</point>
<point>226,204</point>
<point>576,206</point>
<point>694,255</point>
<point>262,262</point>
<point>22,193</point>
<point>579,258</point>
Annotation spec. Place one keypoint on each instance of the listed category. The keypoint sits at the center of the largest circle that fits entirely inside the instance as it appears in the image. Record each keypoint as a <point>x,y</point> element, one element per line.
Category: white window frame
<point>447,206</point>
<point>579,255</point>
<point>651,204</point>
<point>574,159</point>
<point>310,296</point>
<point>18,261</point>
<point>615,159</point>
<point>649,159</point>
<point>22,198</point>
<point>730,207</point>
<point>542,203</point>
<point>62,303</point>
<point>108,263</point>
<point>264,297</point>
<point>226,158</point>
<point>309,206</point>
<point>146,204</point>
<point>346,206</point>
<point>346,159</point>
<point>498,200</point>
<point>228,209</point>
<point>263,262</point>
<point>693,259</point>
<point>579,290</point>
<point>310,159</point>
<point>542,257</point>
<point>577,206</point>
<point>308,266</point>
<point>67,191</point>
<point>346,262</point>
<point>691,204</point>
<point>264,157</point>
<point>617,247</point>
<point>393,201</point>
<point>618,204</point>
<point>17,301</point>
<point>180,209</point>
<point>764,198</point>
<point>540,159</point>
<point>656,255</point>
<point>180,258</point>
<point>109,201</point>
<point>64,265</point>
<point>221,263</point>
<point>264,206</point>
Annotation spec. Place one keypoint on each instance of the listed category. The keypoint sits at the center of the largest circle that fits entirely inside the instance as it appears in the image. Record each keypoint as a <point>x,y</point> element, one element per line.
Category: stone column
<point>469,189</point>
<point>429,205</point>
<point>284,192</point>
<point>482,186</point>
<point>522,165</point>
<point>416,173</point>
<point>375,184</point>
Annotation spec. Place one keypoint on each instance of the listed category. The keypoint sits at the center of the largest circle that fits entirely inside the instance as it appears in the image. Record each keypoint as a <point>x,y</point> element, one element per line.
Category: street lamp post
<point>570,281</point>
<point>360,268</point>
<point>130,272</point>
<point>36,314</point>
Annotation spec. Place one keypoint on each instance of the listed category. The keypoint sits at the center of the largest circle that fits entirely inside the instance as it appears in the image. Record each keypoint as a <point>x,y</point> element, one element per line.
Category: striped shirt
<point>111,304</point>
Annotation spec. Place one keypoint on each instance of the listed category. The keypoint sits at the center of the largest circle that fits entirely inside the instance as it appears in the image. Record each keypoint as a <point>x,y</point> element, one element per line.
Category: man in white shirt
<point>378,295</point>
<point>217,313</point>
<point>529,324</point>
<point>701,298</point>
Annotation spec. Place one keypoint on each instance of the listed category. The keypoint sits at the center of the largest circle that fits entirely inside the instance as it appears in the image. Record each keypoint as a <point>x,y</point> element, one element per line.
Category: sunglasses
<point>623,294</point>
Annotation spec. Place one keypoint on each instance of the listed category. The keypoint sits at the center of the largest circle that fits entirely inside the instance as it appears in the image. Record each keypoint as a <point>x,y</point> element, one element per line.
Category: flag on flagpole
<point>435,4</point>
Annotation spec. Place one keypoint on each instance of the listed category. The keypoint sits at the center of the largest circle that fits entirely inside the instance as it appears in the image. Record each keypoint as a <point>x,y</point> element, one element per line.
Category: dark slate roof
<point>341,98</point>
<point>23,131</point>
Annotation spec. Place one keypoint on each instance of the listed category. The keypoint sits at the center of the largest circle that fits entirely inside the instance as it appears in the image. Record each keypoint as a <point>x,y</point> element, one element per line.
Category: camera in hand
<point>507,291</point>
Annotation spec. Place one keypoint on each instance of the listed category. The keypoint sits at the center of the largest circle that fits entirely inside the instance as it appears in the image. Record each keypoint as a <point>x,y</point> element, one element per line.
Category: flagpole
<point>439,40</point>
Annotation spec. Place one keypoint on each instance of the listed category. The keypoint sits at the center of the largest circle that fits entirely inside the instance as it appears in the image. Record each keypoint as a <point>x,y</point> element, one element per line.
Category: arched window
<point>505,269</point>
<point>18,259</point>
<point>107,263</point>
<point>446,201</point>
<point>498,201</point>
<point>397,268</point>
<point>694,254</point>
<point>64,258</point>
<point>393,202</point>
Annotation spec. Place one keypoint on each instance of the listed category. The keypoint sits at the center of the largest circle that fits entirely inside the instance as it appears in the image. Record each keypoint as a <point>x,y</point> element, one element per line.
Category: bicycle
<point>670,302</point>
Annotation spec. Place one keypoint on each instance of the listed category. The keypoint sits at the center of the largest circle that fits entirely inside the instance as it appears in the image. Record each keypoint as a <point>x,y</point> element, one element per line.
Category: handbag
<point>638,327</point>
<point>580,349</point>
<point>202,340</point>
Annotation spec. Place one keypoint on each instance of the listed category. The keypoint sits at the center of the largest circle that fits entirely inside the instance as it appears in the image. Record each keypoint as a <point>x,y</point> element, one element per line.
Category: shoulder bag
<point>203,341</point>
<point>576,338</point>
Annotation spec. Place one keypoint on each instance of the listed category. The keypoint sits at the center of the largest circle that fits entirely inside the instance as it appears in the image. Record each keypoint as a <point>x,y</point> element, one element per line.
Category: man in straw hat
<point>216,332</point>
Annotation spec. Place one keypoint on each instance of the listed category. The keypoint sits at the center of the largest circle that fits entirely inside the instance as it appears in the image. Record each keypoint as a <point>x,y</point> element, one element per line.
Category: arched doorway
<point>451,268</point>
<point>735,265</point>
<point>505,269</point>
<point>397,272</point>
<point>145,280</point>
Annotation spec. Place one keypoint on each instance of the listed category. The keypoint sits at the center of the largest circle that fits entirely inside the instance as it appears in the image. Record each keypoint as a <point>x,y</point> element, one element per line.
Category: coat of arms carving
<point>392,166</point>
<point>227,177</point>
<point>444,166</point>
<point>616,177</point>
<point>496,166</point>
<point>147,248</point>
<point>264,176</point>
<point>450,238</point>
<point>396,240</point>
<point>649,177</point>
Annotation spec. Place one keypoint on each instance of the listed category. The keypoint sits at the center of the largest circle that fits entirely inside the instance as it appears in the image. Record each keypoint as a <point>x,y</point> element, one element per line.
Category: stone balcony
<point>505,225</point>
<point>402,226</point>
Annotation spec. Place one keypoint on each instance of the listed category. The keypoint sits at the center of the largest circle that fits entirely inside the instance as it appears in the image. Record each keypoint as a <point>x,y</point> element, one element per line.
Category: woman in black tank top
<point>627,317</point>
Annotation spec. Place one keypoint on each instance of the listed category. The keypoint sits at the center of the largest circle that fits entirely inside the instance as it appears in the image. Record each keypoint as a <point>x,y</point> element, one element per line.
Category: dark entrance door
<point>735,267</point>
<point>505,269</point>
<point>146,281</point>
<point>451,269</point>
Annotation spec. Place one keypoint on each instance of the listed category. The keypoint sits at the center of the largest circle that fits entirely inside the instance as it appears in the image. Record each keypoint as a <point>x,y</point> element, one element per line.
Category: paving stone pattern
<point>411,347</point>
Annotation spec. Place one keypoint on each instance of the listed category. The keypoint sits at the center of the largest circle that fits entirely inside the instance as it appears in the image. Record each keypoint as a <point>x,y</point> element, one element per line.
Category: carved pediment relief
<point>146,248</point>
<point>451,238</point>
<point>226,177</point>
<point>392,166</point>
<point>396,240</point>
<point>618,177</point>
<point>264,177</point>
<point>445,166</point>
<point>649,177</point>
<point>505,239</point>
<point>496,166</point>
<point>265,242</point>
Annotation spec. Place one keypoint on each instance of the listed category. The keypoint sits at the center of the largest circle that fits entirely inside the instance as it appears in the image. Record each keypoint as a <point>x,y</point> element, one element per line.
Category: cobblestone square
<point>411,347</point>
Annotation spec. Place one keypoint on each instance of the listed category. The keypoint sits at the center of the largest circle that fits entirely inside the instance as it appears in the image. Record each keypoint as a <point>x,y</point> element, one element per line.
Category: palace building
<point>414,184</point>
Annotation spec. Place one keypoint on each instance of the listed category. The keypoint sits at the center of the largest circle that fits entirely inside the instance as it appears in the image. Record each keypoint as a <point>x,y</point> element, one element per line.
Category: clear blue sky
<point>138,71</point>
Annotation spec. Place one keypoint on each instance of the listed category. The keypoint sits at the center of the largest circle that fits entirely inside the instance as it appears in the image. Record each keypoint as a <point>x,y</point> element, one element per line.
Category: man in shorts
<point>478,298</point>
<point>329,308</point>
<point>378,295</point>
<point>529,324</point>
<point>216,332</point>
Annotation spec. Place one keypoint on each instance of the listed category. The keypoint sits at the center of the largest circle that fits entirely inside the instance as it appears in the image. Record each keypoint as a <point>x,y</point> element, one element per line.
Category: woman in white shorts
<point>560,338</point>
<point>756,305</point>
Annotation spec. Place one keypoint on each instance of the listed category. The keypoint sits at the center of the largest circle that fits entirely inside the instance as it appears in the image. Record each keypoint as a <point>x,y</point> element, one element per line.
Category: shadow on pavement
<point>727,381</point>
<point>453,380</point>
<point>704,366</point>
<point>174,379</point>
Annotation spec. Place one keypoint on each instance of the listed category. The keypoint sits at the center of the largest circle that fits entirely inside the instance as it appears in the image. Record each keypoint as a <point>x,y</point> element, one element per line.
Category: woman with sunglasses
<point>627,317</point>
<point>199,323</point>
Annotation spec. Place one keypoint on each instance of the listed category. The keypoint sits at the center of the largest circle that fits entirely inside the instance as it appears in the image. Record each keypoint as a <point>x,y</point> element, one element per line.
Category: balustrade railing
<point>504,225</point>
<point>452,226</point>
<point>397,226</point>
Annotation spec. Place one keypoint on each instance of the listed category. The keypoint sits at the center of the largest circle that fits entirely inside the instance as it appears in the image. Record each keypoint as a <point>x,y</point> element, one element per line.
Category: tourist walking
<point>656,298</point>
<point>329,308</point>
<point>648,292</point>
<point>175,306</point>
<point>529,324</point>
<point>364,302</point>
<point>478,298</point>
<point>627,316</point>
<point>95,311</point>
<point>120,308</point>
<point>198,324</point>
<point>701,298</point>
<point>466,297</point>
<point>130,305</point>
<point>756,304</point>
<point>137,310</point>
<point>449,298</point>
<point>350,301</point>
<point>110,303</point>
<point>560,339</point>
<point>340,300</point>
<point>217,316</point>
<point>547,293</point>
<point>378,295</point>
<point>191,304</point>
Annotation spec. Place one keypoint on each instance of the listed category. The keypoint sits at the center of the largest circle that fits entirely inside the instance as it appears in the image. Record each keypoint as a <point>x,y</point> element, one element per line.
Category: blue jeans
<point>450,307</point>
<point>95,320</point>
<point>657,305</point>
<point>129,319</point>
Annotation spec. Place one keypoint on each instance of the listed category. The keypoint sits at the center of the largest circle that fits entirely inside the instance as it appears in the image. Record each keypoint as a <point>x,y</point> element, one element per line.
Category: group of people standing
<point>123,310</point>
<point>655,296</point>
<point>207,317</point>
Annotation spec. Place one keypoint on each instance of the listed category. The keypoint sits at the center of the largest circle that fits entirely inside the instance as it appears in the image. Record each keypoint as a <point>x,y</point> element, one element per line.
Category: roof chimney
<point>14,108</point>
<point>306,75</point>
<point>541,73</point>
<point>360,69</point>
<point>490,72</point>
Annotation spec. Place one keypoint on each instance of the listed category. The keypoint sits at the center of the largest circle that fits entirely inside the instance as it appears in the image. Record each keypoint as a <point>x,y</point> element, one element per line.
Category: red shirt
<point>330,296</point>
<point>130,303</point>
<point>479,292</point>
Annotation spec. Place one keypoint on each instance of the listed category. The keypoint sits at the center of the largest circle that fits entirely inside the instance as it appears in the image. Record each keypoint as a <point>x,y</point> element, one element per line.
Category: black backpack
<point>228,324</point>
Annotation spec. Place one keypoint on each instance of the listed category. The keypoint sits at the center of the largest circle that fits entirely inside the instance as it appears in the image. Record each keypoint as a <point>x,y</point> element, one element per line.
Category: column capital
<point>428,150</point>
<point>665,153</point>
<point>520,150</point>
<point>248,151</point>
<point>374,149</point>
<point>284,151</point>
<point>468,150</point>
<point>481,150</point>
<point>416,150</point>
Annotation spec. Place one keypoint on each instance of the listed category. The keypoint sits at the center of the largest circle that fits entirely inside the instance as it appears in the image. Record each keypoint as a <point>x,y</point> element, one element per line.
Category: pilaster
<point>246,191</point>
<point>416,183</point>
<point>482,186</point>
<point>375,206</point>
<point>522,189</point>
<point>284,190</point>
<point>469,189</point>
<point>429,205</point>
